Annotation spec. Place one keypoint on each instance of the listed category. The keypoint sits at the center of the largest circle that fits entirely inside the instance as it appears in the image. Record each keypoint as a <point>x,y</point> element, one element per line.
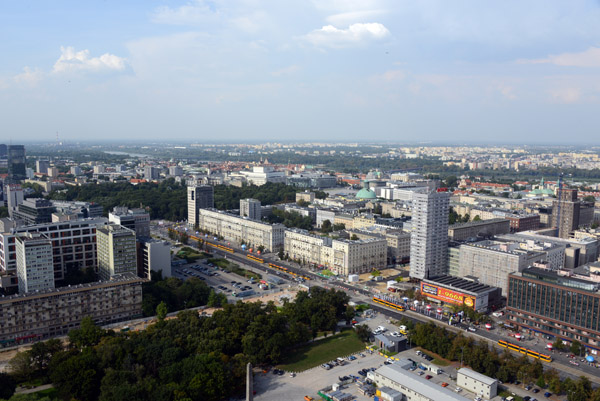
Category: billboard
<point>443,294</point>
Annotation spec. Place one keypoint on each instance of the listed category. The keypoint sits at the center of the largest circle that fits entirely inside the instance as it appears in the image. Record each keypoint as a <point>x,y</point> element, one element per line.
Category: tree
<point>349,315</point>
<point>302,203</point>
<point>87,334</point>
<point>20,366</point>
<point>558,345</point>
<point>354,237</point>
<point>375,273</point>
<point>7,385</point>
<point>477,218</point>
<point>280,254</point>
<point>161,311</point>
<point>183,238</point>
<point>326,227</point>
<point>261,248</point>
<point>339,226</point>
<point>589,198</point>
<point>363,332</point>
<point>576,347</point>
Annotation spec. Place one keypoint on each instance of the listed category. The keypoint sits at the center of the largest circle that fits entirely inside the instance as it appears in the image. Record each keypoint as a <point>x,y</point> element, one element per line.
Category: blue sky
<point>372,70</point>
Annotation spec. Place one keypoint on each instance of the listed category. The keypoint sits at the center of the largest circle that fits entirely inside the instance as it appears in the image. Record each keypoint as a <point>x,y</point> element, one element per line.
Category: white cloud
<point>565,95</point>
<point>190,14</point>
<point>286,71</point>
<point>356,34</point>
<point>587,58</point>
<point>29,77</point>
<point>350,17</point>
<point>70,61</point>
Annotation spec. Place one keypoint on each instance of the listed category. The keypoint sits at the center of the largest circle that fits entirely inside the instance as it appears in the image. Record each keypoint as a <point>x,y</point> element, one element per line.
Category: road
<point>560,362</point>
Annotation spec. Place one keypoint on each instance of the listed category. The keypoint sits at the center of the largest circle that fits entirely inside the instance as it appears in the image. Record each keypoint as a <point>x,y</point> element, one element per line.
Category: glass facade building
<point>556,304</point>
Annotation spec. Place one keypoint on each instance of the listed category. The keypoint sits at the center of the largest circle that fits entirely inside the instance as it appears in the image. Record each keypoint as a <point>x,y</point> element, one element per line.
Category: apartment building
<point>73,247</point>
<point>53,312</point>
<point>250,208</point>
<point>34,262</point>
<point>238,229</point>
<point>199,197</point>
<point>137,220</point>
<point>116,251</point>
<point>398,243</point>
<point>343,257</point>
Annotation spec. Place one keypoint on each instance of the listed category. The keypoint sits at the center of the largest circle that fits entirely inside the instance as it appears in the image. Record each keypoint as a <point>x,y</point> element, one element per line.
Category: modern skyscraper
<point>116,251</point>
<point>250,208</point>
<point>35,269</point>
<point>199,197</point>
<point>16,163</point>
<point>565,212</point>
<point>429,236</point>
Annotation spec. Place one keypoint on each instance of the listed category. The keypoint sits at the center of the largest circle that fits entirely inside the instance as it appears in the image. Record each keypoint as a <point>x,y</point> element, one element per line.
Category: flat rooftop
<point>460,284</point>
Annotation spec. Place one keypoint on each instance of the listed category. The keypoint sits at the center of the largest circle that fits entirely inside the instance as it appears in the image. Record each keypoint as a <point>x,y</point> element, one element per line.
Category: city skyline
<point>327,70</point>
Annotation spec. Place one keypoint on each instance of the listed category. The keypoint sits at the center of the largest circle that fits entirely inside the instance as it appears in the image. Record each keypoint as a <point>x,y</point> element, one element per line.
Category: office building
<point>565,212</point>
<point>116,251</point>
<point>482,385</point>
<point>41,166</point>
<point>562,304</point>
<point>311,180</point>
<point>429,235</point>
<point>34,262</point>
<point>397,376</point>
<point>35,211</point>
<point>523,222</point>
<point>153,256</point>
<point>235,228</point>
<point>260,175</point>
<point>199,197</point>
<point>73,246</point>
<point>250,208</point>
<point>52,172</point>
<point>151,173</point>
<point>491,261</point>
<point>478,229</point>
<point>137,220</point>
<point>398,243</point>
<point>16,163</point>
<point>99,169</point>
<point>54,312</point>
<point>75,170</point>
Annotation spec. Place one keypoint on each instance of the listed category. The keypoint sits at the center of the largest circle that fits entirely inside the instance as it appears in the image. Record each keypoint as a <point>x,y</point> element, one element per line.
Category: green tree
<point>354,237</point>
<point>349,314</point>
<point>339,226</point>
<point>477,218</point>
<point>326,227</point>
<point>363,332</point>
<point>184,238</point>
<point>576,347</point>
<point>7,385</point>
<point>589,198</point>
<point>555,386</point>
<point>161,311</point>
<point>87,334</point>
<point>20,366</point>
<point>558,344</point>
<point>280,254</point>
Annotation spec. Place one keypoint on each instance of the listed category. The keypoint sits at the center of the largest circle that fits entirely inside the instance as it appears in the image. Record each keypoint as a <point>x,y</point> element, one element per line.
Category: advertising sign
<point>433,291</point>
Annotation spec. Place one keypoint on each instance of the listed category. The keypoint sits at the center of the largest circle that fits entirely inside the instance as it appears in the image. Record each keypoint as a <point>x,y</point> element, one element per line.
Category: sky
<point>328,70</point>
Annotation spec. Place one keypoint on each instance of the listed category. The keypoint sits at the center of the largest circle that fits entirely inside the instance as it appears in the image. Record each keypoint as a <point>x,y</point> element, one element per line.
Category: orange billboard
<point>443,294</point>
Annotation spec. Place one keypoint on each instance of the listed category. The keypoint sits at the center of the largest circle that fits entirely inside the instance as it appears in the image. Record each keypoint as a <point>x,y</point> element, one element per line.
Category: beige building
<point>55,312</point>
<point>343,257</point>
<point>398,243</point>
<point>346,219</point>
<point>116,251</point>
<point>236,228</point>
<point>482,385</point>
<point>34,262</point>
<point>305,196</point>
<point>363,221</point>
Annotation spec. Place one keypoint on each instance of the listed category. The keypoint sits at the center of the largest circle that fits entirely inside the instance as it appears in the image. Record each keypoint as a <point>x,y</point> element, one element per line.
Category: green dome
<point>365,193</point>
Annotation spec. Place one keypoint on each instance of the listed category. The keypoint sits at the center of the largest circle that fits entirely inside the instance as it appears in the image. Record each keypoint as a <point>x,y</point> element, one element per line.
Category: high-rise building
<point>429,236</point>
<point>565,212</point>
<point>41,166</point>
<point>116,251</point>
<point>14,197</point>
<point>153,256</point>
<point>3,151</point>
<point>35,211</point>
<point>151,173</point>
<point>199,197</point>
<point>75,170</point>
<point>175,171</point>
<point>34,262</point>
<point>16,163</point>
<point>250,208</point>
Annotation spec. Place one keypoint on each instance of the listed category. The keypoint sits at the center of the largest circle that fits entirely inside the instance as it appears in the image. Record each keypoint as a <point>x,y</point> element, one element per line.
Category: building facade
<point>199,197</point>
<point>429,235</point>
<point>560,304</point>
<point>153,255</point>
<point>55,312</point>
<point>474,229</point>
<point>116,251</point>
<point>137,220</point>
<point>34,262</point>
<point>35,211</point>
<point>565,212</point>
<point>475,382</point>
<point>236,228</point>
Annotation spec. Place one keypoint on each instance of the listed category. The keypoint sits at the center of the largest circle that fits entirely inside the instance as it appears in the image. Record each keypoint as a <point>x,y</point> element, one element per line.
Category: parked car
<point>428,377</point>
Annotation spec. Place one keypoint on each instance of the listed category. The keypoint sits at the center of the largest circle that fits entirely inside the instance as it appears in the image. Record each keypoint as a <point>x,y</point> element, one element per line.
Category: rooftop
<point>477,376</point>
<point>461,284</point>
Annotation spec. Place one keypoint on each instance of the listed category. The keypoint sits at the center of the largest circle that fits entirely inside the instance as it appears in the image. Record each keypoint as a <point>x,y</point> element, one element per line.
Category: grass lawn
<point>51,393</point>
<point>321,351</point>
<point>440,362</point>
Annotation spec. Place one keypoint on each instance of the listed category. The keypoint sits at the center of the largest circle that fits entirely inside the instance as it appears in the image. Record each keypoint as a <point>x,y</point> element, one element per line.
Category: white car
<point>403,328</point>
<point>396,334</point>
<point>381,328</point>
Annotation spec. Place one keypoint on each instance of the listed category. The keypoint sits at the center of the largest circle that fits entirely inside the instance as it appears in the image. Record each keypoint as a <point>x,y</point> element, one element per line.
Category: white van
<point>402,328</point>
